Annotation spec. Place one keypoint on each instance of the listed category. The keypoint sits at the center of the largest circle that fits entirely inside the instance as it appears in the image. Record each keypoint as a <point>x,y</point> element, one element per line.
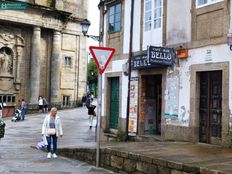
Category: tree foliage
<point>92,74</point>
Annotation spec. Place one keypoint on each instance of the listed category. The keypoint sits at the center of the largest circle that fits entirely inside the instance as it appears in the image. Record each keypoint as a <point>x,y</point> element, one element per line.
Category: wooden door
<point>114,102</point>
<point>210,106</point>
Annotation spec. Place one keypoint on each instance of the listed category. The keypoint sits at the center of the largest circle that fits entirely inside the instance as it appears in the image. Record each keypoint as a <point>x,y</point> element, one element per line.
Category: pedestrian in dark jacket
<point>91,113</point>
<point>83,100</point>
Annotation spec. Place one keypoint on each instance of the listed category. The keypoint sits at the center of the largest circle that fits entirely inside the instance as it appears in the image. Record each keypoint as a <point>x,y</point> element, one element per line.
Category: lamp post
<point>85,26</point>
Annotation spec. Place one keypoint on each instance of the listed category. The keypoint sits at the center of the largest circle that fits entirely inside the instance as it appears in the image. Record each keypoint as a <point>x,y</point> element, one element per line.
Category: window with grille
<point>114,24</point>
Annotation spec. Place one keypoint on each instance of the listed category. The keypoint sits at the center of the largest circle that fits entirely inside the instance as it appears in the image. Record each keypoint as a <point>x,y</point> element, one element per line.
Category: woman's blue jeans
<point>52,139</point>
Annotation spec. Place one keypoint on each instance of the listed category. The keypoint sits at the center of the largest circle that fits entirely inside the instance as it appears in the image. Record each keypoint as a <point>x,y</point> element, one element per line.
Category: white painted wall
<point>178,21</point>
<point>126,27</point>
<point>136,26</point>
<point>219,53</point>
<point>117,67</point>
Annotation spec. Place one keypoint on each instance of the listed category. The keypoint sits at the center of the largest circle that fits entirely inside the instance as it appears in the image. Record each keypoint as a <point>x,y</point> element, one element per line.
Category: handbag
<point>51,131</point>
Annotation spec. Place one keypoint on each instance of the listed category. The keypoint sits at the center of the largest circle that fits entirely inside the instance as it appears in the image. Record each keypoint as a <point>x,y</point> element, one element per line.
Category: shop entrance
<point>151,98</point>
<point>210,109</point>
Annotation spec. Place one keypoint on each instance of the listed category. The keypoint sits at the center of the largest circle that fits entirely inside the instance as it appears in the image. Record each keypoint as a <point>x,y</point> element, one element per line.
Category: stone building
<point>186,99</point>
<point>42,51</point>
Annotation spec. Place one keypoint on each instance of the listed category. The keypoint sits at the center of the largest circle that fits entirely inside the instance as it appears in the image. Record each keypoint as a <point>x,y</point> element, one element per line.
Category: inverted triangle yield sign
<point>101,56</point>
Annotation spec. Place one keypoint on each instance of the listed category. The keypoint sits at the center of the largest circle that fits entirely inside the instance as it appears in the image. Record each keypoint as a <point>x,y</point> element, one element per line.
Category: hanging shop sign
<point>161,56</point>
<point>156,57</point>
<point>142,62</point>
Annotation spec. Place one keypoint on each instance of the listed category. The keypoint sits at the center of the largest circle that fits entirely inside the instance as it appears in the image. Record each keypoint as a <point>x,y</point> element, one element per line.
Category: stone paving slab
<point>17,156</point>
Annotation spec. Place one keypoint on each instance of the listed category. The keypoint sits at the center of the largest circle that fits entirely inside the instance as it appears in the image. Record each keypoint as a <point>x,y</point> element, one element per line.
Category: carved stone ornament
<point>11,44</point>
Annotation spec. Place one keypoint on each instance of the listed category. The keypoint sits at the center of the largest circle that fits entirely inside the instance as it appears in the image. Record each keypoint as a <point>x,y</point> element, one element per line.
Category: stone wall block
<point>191,169</point>
<point>164,170</point>
<point>142,166</point>
<point>175,165</point>
<point>123,154</point>
<point>105,159</point>
<point>152,169</point>
<point>133,156</point>
<point>146,159</point>
<point>116,162</point>
<point>160,162</point>
<point>129,165</point>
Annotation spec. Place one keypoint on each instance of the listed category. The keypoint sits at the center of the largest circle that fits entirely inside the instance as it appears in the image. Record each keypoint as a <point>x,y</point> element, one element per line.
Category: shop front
<point>147,106</point>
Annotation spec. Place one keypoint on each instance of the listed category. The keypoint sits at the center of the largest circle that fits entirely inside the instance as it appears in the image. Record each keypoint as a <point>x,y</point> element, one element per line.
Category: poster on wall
<point>172,100</point>
<point>132,127</point>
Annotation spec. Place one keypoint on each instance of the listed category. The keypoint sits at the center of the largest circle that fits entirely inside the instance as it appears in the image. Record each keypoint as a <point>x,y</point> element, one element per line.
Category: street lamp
<point>85,27</point>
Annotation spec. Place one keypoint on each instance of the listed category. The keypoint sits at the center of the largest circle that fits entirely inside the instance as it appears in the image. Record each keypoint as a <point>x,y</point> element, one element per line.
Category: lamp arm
<point>97,38</point>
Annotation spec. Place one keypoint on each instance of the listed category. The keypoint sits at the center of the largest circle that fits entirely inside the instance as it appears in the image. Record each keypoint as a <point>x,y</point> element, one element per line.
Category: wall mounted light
<point>85,27</point>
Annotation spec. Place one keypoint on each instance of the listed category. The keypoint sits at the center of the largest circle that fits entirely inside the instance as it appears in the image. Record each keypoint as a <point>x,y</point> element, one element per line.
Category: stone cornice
<point>42,16</point>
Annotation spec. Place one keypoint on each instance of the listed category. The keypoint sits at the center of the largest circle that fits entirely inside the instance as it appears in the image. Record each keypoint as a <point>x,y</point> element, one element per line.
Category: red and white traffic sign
<point>101,56</point>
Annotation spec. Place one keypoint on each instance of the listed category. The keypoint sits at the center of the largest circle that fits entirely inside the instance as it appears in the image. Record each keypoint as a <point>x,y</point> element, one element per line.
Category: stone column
<point>55,66</point>
<point>35,65</point>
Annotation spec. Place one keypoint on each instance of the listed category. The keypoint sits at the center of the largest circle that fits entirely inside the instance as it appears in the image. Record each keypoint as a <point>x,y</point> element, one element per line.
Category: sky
<point>93,17</point>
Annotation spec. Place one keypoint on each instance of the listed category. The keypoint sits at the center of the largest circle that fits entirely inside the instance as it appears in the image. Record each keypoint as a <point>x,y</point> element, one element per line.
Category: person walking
<point>40,104</point>
<point>52,129</point>
<point>1,108</point>
<point>23,107</point>
<point>45,105</point>
<point>91,113</point>
<point>83,100</point>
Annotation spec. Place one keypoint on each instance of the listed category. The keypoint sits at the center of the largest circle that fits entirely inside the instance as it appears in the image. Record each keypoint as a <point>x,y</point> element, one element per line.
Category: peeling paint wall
<point>178,21</point>
<point>172,97</point>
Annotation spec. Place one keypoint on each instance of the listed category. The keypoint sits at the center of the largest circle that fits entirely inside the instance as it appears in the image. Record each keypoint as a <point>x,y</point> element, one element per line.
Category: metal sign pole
<point>98,118</point>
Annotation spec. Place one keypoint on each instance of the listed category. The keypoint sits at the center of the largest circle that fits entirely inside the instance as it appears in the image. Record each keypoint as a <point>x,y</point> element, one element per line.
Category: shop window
<point>202,3</point>
<point>114,20</point>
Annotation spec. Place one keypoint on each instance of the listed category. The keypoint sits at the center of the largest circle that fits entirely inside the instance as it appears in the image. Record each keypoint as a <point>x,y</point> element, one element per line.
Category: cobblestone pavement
<point>18,156</point>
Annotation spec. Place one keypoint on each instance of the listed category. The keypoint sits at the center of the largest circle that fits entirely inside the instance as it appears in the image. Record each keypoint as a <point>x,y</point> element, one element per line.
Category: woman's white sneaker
<point>49,155</point>
<point>54,155</point>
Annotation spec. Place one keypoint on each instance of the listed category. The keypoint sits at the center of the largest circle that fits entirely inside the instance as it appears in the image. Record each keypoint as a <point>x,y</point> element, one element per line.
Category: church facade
<point>42,52</point>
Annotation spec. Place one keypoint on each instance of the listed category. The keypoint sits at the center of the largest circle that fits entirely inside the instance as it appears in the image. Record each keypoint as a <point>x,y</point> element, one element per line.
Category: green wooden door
<point>114,102</point>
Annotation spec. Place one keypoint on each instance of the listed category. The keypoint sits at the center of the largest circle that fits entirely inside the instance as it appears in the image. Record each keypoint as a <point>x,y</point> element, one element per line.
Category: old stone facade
<point>42,53</point>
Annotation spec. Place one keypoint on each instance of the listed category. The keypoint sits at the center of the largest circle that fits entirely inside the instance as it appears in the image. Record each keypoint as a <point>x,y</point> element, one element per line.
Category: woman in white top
<point>52,129</point>
<point>40,104</point>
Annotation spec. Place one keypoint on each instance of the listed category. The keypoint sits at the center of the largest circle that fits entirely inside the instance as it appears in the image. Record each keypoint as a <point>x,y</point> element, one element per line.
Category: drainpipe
<point>129,68</point>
